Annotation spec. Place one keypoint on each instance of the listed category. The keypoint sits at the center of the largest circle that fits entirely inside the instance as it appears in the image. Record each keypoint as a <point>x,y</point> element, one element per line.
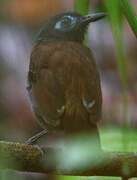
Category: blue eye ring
<point>65,22</point>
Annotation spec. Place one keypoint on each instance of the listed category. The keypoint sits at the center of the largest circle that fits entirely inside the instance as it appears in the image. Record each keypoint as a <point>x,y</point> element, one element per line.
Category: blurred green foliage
<point>82,6</point>
<point>89,178</point>
<point>112,141</point>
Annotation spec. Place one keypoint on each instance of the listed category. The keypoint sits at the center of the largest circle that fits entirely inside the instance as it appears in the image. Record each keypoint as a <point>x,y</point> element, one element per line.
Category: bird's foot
<point>39,149</point>
<point>33,139</point>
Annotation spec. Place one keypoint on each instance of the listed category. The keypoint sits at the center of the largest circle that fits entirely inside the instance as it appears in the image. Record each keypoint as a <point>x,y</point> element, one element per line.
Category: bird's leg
<point>34,138</point>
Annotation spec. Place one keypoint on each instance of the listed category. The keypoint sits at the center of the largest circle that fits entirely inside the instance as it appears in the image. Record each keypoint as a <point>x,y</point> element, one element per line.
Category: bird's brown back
<point>62,74</point>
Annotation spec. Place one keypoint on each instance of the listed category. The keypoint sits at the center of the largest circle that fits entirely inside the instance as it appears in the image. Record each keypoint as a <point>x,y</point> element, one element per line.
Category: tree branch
<point>27,158</point>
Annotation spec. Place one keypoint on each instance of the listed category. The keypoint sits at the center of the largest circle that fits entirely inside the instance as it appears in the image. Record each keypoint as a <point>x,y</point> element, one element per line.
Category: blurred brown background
<point>20,20</point>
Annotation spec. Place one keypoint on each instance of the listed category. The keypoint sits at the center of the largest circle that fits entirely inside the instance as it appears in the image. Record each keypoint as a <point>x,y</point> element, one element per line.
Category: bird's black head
<point>67,27</point>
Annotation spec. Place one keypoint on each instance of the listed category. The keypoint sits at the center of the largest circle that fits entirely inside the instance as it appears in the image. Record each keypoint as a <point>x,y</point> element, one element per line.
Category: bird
<point>63,79</point>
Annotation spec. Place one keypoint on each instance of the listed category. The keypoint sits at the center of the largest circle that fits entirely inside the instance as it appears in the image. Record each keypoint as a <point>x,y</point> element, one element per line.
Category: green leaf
<point>130,15</point>
<point>113,8</point>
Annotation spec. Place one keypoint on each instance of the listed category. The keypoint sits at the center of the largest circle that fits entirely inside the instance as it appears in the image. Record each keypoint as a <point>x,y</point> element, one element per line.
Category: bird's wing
<point>91,95</point>
<point>44,89</point>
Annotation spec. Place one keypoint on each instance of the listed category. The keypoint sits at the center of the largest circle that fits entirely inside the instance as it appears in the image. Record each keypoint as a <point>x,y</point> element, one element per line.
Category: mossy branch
<point>27,158</point>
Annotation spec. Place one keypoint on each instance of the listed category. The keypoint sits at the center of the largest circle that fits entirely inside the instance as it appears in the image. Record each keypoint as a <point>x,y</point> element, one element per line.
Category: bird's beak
<point>92,18</point>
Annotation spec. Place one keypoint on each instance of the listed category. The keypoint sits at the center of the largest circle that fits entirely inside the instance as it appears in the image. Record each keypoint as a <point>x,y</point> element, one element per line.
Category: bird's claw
<point>39,149</point>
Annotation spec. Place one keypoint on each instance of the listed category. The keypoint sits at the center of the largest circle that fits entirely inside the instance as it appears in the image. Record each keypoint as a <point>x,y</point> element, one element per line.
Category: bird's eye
<point>65,23</point>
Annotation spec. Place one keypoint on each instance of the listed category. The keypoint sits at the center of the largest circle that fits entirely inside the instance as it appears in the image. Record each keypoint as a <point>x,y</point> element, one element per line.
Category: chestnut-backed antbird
<point>63,79</point>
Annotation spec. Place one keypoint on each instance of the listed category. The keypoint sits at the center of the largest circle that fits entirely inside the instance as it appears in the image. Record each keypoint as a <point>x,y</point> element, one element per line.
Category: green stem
<point>113,7</point>
<point>130,15</point>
